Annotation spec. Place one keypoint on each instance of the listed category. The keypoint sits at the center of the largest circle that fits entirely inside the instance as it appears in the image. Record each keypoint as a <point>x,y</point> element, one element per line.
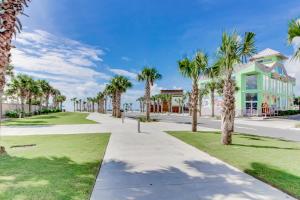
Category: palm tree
<point>111,91</point>
<point>168,99</point>
<point>80,106</point>
<point>121,85</point>
<point>55,93</point>
<point>233,50</point>
<point>100,100</point>
<point>212,86</point>
<point>141,100</point>
<point>202,93</point>
<point>20,86</point>
<point>60,100</point>
<point>47,91</point>
<point>34,91</point>
<point>9,23</point>
<point>213,73</point>
<point>294,32</point>
<point>148,75</point>
<point>193,69</point>
<point>74,103</point>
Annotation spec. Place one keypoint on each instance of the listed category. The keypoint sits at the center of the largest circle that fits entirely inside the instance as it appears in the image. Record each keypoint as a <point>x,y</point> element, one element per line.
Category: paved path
<point>53,129</point>
<point>277,128</point>
<point>153,165</point>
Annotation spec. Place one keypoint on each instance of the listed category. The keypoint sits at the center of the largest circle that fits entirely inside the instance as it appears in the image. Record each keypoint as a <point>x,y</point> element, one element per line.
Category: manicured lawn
<point>59,167</point>
<point>51,119</point>
<point>274,161</point>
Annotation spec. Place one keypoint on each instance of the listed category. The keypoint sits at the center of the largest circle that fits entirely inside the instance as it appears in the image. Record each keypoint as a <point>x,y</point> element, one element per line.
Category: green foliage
<point>17,113</point>
<point>294,32</point>
<point>194,68</point>
<point>288,112</point>
<point>52,118</point>
<point>149,74</point>
<point>58,167</point>
<point>12,114</point>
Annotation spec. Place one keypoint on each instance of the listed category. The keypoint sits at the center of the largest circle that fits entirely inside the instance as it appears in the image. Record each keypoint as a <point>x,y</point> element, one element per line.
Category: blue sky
<point>78,45</point>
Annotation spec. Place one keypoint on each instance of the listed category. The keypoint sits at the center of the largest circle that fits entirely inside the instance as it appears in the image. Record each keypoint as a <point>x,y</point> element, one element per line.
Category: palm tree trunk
<point>22,106</point>
<point>118,106</point>
<point>212,99</point>
<point>194,106</point>
<point>200,106</point>
<point>114,96</point>
<point>147,97</point>
<point>47,101</point>
<point>228,112</point>
<point>29,105</point>
<point>74,106</point>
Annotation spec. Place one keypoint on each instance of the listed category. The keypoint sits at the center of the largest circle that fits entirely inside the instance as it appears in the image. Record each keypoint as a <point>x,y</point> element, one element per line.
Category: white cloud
<point>69,65</point>
<point>123,72</point>
<point>125,58</point>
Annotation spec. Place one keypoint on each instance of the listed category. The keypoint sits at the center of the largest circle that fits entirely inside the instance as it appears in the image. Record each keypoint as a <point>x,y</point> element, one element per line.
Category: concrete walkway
<point>153,165</point>
<point>54,129</point>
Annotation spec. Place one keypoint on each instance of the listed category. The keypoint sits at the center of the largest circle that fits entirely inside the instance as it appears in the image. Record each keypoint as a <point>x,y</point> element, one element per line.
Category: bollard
<point>139,125</point>
<point>123,116</point>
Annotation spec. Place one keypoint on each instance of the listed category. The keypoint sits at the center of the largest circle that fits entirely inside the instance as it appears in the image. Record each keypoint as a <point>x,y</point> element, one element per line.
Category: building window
<point>251,82</point>
<point>251,97</point>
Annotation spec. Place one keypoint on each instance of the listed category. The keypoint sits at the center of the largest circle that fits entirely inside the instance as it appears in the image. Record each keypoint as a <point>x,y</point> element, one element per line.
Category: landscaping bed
<point>273,161</point>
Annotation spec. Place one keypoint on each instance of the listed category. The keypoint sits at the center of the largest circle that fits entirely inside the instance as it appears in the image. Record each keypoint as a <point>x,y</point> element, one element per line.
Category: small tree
<point>193,69</point>
<point>148,75</point>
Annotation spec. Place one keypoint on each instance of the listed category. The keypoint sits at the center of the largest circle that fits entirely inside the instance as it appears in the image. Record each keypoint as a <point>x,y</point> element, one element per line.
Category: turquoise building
<point>264,85</point>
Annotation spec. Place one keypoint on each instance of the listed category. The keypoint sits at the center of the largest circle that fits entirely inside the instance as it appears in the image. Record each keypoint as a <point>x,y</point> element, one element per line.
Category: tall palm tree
<point>111,91</point>
<point>60,99</point>
<point>47,90</point>
<point>193,69</point>
<point>9,23</point>
<point>294,32</point>
<point>202,93</point>
<point>141,100</point>
<point>231,52</point>
<point>212,86</point>
<point>34,91</point>
<point>100,100</point>
<point>20,86</point>
<point>213,73</point>
<point>148,75</point>
<point>74,103</point>
<point>168,99</point>
<point>121,85</point>
<point>55,93</point>
<point>80,105</point>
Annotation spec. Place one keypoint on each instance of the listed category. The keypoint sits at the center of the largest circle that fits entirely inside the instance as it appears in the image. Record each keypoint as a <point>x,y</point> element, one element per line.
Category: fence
<point>14,106</point>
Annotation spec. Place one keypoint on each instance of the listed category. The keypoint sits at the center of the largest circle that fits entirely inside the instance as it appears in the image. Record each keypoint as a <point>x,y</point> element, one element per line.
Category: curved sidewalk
<point>153,165</point>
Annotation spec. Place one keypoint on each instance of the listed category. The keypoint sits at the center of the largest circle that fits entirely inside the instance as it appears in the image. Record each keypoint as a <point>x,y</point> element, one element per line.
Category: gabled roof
<point>268,52</point>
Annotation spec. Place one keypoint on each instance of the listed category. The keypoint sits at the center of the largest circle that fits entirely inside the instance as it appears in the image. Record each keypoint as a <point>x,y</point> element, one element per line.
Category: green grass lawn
<point>59,167</point>
<point>51,119</point>
<point>274,161</point>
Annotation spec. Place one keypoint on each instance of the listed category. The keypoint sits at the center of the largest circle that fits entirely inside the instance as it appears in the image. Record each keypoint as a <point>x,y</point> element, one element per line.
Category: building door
<point>251,104</point>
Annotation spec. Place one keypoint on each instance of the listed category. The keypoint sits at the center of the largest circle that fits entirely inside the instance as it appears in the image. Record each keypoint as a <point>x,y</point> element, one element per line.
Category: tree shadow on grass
<point>45,178</point>
<point>287,182</point>
<point>46,117</point>
<point>265,146</point>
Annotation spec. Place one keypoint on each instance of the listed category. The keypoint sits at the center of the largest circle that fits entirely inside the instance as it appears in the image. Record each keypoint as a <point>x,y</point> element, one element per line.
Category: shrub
<point>12,114</point>
<point>288,112</point>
